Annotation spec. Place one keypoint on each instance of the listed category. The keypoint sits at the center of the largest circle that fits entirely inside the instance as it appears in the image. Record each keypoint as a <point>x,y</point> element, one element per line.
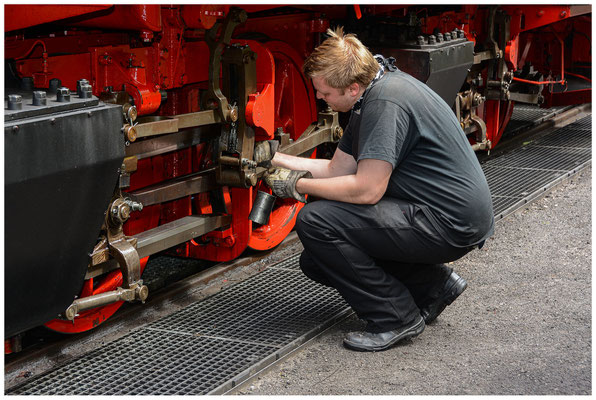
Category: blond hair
<point>341,60</point>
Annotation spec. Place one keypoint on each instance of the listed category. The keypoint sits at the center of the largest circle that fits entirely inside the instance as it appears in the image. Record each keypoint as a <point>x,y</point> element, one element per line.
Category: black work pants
<point>386,259</point>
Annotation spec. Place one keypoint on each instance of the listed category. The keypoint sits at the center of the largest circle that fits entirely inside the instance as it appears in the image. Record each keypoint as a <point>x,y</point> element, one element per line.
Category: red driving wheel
<point>295,110</point>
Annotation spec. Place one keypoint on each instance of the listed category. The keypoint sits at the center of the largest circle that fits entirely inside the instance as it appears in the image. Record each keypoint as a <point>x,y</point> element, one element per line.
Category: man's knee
<point>311,219</point>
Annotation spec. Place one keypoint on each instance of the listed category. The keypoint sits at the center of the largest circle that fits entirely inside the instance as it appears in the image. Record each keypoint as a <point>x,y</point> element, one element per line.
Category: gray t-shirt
<point>402,121</point>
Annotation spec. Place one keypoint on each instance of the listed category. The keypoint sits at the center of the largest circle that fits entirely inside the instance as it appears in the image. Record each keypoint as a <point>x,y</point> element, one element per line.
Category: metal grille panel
<point>502,204</point>
<point>290,263</point>
<point>515,182</point>
<point>525,116</point>
<point>584,123</point>
<point>517,177</point>
<point>148,362</point>
<point>273,308</point>
<point>576,138</point>
<point>207,345</point>
<point>535,157</point>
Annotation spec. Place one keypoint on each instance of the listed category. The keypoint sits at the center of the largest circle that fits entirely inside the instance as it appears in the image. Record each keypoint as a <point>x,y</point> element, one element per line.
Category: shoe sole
<point>412,332</point>
<point>456,289</point>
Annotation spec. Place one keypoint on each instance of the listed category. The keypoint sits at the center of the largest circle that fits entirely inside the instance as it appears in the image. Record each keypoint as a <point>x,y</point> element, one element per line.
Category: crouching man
<point>403,195</point>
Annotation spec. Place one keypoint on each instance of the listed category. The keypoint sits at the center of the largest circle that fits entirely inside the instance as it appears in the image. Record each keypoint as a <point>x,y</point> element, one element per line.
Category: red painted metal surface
<point>203,16</point>
<point>225,245</point>
<point>24,16</point>
<point>132,17</point>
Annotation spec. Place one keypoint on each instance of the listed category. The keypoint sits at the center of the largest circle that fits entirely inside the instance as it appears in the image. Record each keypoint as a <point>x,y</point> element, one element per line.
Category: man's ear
<point>354,89</point>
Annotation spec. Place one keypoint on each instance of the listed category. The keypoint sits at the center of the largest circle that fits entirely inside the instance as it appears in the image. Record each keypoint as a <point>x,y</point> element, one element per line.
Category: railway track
<point>223,339</point>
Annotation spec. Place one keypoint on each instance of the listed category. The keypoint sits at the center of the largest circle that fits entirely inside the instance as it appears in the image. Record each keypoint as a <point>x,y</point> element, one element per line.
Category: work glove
<point>282,182</point>
<point>264,152</point>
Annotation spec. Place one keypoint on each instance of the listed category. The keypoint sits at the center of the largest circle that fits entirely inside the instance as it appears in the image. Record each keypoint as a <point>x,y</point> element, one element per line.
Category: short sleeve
<point>384,127</point>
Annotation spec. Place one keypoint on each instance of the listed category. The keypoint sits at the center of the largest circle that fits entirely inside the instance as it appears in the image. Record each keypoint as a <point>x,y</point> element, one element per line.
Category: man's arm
<point>366,186</point>
<point>340,164</point>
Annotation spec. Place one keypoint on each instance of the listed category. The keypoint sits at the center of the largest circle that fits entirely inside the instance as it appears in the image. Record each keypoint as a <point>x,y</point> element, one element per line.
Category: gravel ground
<point>523,326</point>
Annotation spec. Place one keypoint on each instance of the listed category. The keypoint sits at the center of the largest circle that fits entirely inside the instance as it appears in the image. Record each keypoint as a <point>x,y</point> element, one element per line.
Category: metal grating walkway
<point>209,346</point>
<point>213,345</point>
<point>525,116</point>
<point>525,173</point>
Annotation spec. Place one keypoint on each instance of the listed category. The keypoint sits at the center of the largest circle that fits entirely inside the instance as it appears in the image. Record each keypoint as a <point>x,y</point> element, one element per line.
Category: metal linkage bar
<point>176,188</point>
<point>182,230</point>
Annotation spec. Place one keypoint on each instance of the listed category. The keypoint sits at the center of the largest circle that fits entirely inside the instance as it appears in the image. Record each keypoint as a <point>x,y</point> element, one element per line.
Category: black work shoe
<point>366,341</point>
<point>453,287</point>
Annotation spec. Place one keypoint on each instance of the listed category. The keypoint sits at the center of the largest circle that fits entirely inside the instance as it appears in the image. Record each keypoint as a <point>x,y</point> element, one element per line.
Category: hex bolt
<point>63,95</point>
<point>134,205</point>
<point>80,83</point>
<point>15,102</point>
<point>432,39</point>
<point>439,37</point>
<point>27,83</point>
<point>119,213</point>
<point>39,98</point>
<point>54,85</point>
<point>86,91</point>
<point>454,34</point>
<point>461,34</point>
<point>447,36</point>
<point>420,40</point>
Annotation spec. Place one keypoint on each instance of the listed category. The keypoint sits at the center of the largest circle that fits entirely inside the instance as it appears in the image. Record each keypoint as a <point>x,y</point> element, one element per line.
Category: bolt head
<point>130,132</point>
<point>143,293</point>
<point>132,113</point>
<point>70,313</point>
<point>233,114</point>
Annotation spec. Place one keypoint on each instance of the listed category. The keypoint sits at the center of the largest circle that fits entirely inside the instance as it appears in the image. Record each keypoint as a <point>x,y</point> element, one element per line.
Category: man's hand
<point>264,152</point>
<point>283,182</point>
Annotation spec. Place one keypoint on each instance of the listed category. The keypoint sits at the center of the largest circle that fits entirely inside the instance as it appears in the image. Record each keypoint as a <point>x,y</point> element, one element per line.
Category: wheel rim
<point>92,318</point>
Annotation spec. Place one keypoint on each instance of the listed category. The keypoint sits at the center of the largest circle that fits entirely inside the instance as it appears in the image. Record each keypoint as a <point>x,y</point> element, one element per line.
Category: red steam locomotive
<point>130,129</point>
